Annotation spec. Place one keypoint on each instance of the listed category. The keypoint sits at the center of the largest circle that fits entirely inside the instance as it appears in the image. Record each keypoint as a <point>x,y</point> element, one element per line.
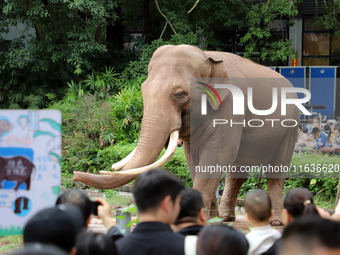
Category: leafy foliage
<point>60,38</point>
<point>87,127</point>
<point>259,34</point>
<point>101,83</point>
<point>178,166</point>
<point>138,68</point>
<point>127,111</point>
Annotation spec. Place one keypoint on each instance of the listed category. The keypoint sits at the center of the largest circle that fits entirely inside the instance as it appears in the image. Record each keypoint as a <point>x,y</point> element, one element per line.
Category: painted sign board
<point>30,158</point>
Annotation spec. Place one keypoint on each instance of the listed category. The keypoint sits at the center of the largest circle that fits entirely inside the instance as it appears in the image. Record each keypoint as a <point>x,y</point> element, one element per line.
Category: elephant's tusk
<point>124,161</point>
<point>162,161</point>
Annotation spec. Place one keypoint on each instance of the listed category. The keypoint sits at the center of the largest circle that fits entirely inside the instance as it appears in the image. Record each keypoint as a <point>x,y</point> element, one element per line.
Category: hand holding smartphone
<point>94,209</point>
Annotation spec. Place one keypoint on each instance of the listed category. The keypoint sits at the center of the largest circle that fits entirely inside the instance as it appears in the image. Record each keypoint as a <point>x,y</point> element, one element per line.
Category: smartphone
<point>94,210</point>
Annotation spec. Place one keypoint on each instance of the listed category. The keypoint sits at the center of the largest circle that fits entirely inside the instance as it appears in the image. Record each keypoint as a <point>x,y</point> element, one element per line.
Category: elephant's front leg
<point>275,187</point>
<point>208,187</point>
<point>229,197</point>
<point>18,205</point>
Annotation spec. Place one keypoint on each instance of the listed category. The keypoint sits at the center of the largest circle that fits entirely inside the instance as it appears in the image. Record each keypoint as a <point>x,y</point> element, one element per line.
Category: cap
<point>56,225</point>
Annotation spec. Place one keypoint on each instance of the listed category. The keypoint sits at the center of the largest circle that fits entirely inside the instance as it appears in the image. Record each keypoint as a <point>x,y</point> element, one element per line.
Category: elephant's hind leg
<point>28,183</point>
<point>25,203</point>
<point>275,181</point>
<point>275,187</point>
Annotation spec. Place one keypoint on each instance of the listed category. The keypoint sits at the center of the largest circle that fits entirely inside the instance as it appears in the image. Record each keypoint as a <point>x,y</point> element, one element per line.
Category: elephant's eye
<point>180,94</point>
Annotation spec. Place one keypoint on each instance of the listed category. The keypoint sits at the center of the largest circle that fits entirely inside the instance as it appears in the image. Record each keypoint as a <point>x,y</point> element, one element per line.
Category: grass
<point>113,198</point>
<point>321,201</point>
<point>9,244</point>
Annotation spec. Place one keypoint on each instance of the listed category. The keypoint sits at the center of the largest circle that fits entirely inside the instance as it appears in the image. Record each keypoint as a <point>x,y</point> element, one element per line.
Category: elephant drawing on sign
<point>17,169</point>
<point>168,104</point>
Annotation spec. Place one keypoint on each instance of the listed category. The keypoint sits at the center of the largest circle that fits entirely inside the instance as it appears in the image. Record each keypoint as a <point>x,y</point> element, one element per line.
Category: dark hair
<point>304,129</point>
<point>39,249</point>
<point>307,233</point>
<point>221,240</point>
<point>90,243</point>
<point>77,198</point>
<point>299,203</point>
<point>191,204</point>
<point>152,186</point>
<point>258,205</point>
<point>57,226</point>
<point>315,130</point>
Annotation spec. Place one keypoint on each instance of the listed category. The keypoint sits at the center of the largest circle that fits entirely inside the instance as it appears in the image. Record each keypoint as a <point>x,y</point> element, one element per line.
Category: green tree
<point>246,22</point>
<point>259,36</point>
<point>69,39</point>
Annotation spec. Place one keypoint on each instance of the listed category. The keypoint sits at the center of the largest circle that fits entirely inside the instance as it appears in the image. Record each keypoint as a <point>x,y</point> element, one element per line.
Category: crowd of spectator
<point>172,220</point>
<point>318,136</point>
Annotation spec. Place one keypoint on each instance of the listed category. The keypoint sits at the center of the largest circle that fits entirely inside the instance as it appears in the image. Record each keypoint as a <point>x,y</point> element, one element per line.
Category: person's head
<point>221,240</point>
<point>39,249</point>
<point>192,208</point>
<point>327,129</point>
<point>90,243</point>
<point>303,130</point>
<point>57,226</point>
<point>157,193</point>
<point>311,236</point>
<point>316,121</point>
<point>316,132</point>
<point>297,203</point>
<point>258,207</point>
<point>336,129</point>
<point>79,199</point>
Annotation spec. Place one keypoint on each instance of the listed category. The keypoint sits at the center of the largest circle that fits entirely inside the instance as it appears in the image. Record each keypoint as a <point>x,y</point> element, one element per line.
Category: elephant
<point>170,111</point>
<point>17,169</point>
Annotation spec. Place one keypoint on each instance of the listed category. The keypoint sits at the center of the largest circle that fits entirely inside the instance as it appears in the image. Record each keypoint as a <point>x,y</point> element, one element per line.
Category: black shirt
<point>151,238</point>
<point>191,230</point>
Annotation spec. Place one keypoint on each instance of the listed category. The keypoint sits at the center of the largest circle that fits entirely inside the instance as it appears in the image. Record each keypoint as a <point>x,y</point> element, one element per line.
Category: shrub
<point>178,166</point>
<point>112,154</point>
<point>101,83</point>
<point>127,111</point>
<point>87,127</point>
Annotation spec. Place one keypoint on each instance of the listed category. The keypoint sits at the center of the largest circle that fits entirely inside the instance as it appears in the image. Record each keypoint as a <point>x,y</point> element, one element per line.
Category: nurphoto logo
<point>238,107</point>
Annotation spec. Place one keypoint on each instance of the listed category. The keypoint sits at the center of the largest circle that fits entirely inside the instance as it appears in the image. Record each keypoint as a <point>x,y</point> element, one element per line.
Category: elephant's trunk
<point>153,138</point>
<point>154,134</point>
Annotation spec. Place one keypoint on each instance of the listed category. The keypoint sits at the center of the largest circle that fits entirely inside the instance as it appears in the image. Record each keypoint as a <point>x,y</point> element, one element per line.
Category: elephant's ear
<point>218,72</point>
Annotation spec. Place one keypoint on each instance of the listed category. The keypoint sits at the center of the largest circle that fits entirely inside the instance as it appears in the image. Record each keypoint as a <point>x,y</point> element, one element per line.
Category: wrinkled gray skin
<point>166,96</point>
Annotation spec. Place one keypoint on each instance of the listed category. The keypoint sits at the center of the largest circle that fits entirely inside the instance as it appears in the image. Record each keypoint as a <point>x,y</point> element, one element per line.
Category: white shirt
<point>260,239</point>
